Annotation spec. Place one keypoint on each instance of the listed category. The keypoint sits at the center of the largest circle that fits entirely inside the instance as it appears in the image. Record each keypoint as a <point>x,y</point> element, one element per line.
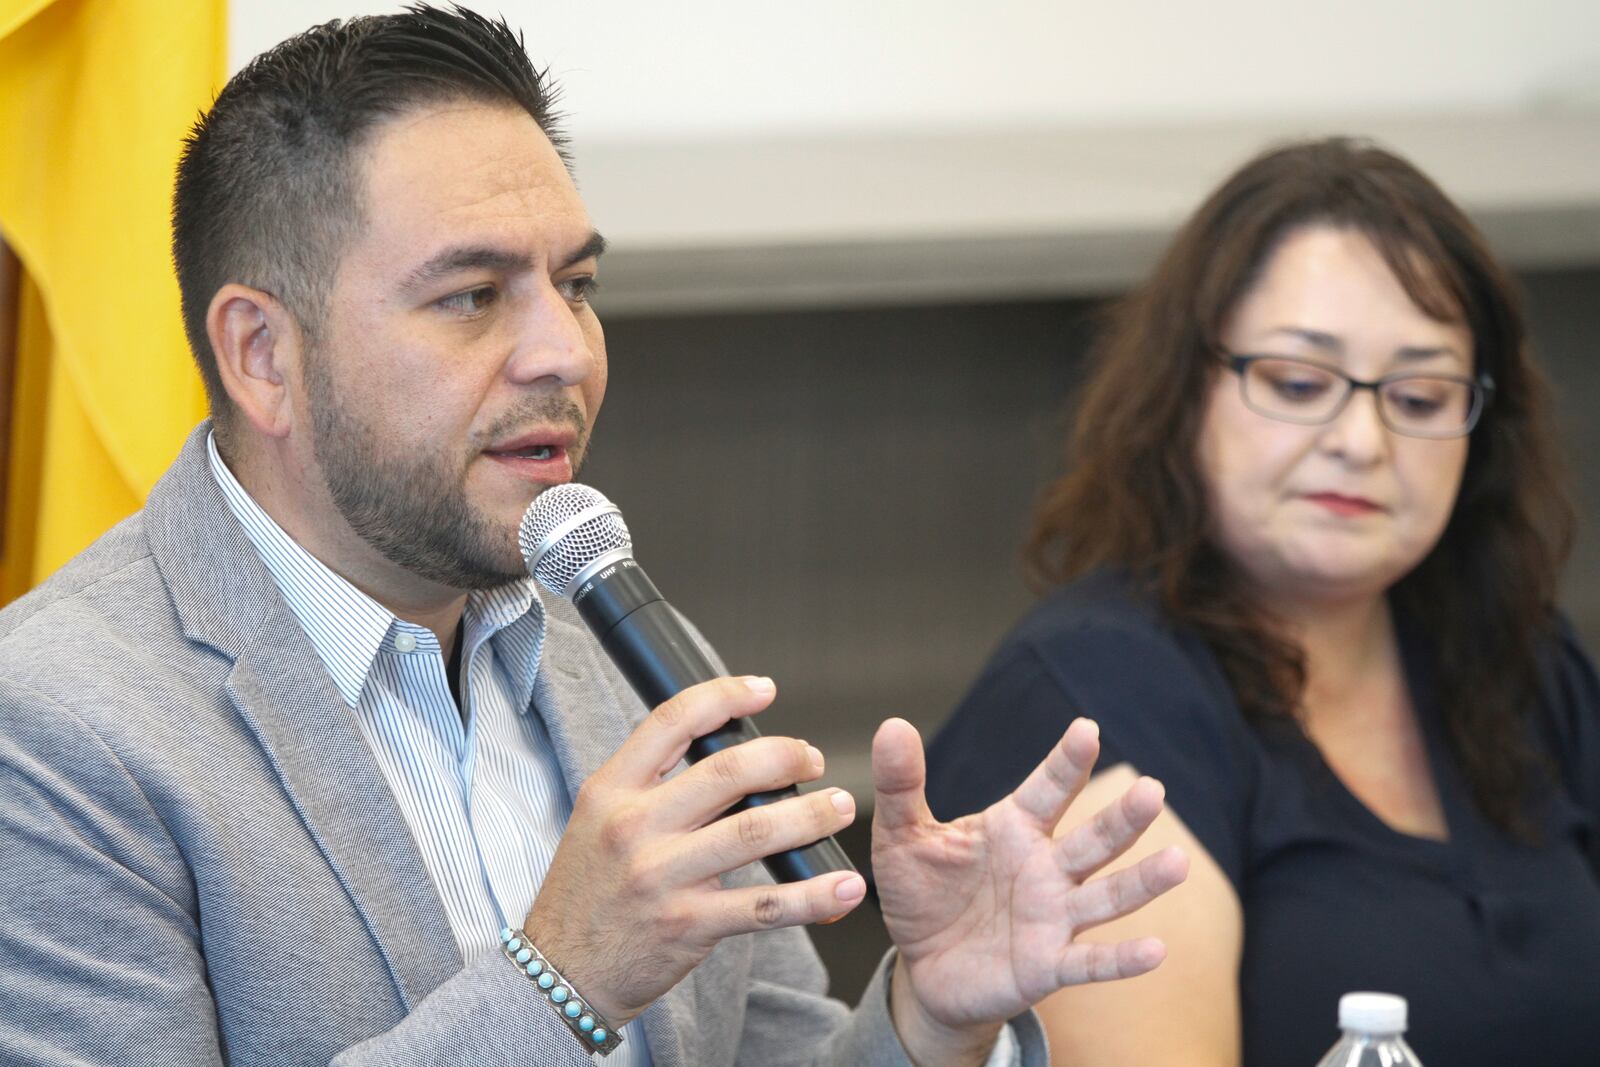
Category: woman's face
<point>1342,510</point>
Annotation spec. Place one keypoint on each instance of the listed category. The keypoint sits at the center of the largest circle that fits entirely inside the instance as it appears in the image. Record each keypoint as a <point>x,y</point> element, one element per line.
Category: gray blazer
<point>201,863</point>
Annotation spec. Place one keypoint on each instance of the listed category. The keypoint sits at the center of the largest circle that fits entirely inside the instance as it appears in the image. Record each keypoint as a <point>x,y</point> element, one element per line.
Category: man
<point>282,755</point>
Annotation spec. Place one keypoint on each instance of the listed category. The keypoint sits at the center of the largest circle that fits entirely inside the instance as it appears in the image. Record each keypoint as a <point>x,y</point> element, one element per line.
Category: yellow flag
<point>95,99</point>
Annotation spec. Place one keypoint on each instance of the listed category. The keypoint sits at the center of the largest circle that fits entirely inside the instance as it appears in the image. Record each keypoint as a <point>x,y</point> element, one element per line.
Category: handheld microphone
<point>575,543</point>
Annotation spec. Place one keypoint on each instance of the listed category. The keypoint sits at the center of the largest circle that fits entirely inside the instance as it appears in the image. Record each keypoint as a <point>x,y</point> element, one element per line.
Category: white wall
<point>646,69</point>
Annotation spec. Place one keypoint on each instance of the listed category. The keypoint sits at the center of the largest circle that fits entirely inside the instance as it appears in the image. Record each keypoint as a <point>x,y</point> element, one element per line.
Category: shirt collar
<point>512,616</point>
<point>348,628</point>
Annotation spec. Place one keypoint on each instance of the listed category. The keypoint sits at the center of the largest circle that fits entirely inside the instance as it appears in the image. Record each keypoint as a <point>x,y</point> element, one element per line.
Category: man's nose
<point>551,343</point>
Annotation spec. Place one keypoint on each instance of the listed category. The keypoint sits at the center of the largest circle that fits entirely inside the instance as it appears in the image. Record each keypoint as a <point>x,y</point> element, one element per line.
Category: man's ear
<point>258,346</point>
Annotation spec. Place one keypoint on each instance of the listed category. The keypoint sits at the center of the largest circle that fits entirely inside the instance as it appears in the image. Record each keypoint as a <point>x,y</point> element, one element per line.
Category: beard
<point>411,503</point>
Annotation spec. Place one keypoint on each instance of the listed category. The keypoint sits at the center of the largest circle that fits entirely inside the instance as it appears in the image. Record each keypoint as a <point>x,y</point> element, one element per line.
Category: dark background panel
<point>837,498</point>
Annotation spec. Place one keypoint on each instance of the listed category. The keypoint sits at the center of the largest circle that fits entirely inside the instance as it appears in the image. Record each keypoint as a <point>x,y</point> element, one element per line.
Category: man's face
<point>460,365</point>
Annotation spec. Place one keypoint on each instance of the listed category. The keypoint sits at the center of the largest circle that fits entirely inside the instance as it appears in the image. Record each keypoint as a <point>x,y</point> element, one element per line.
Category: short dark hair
<point>267,193</point>
<point>1133,496</point>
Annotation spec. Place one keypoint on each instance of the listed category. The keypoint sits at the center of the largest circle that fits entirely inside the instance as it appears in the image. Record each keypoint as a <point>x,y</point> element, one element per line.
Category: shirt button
<point>404,642</point>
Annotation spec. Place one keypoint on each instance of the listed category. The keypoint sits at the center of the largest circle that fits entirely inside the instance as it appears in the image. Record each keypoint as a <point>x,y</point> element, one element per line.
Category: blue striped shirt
<point>479,787</point>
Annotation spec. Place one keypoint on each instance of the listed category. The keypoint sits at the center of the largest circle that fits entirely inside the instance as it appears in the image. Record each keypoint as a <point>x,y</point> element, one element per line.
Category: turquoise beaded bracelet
<point>595,1033</point>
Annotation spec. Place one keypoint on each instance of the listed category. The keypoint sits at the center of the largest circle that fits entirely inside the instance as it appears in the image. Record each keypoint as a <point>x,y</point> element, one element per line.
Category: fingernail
<point>762,685</point>
<point>851,889</point>
<point>843,802</point>
<point>815,755</point>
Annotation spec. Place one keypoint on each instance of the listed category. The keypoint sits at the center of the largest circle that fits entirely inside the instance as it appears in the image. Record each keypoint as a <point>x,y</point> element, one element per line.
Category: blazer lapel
<point>574,694</point>
<point>226,599</point>
<point>310,735</point>
<point>589,712</point>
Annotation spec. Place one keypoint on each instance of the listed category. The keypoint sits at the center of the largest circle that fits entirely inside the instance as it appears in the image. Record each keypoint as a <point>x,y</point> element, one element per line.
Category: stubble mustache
<point>539,411</point>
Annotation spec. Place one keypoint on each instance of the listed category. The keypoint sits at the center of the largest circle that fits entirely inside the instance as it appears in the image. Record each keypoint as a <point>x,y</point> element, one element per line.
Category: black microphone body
<point>647,640</point>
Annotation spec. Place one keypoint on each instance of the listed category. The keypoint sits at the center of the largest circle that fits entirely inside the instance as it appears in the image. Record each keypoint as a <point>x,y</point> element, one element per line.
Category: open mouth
<point>543,462</point>
<point>531,452</point>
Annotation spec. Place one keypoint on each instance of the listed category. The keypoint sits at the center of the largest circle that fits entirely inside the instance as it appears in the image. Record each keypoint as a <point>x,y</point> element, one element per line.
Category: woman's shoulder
<point>1105,634</point>
<point>1569,711</point>
<point>1106,599</point>
<point>1568,683</point>
<point>1102,648</point>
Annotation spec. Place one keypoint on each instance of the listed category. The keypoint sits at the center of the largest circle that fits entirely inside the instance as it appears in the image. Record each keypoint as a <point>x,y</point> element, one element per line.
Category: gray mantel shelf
<point>849,220</point>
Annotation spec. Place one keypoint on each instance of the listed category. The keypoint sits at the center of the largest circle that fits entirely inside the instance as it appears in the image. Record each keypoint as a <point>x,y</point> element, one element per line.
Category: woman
<point>1306,553</point>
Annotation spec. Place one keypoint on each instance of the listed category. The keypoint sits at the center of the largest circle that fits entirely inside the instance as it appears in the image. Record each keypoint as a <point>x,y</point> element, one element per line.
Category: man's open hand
<point>986,910</point>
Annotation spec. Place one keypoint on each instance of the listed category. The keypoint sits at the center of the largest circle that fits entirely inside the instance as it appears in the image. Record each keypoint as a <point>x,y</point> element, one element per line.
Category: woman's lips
<point>1344,506</point>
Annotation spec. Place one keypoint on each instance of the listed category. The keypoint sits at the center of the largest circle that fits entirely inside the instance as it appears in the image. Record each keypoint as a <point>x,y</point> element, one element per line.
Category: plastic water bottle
<point>1372,1025</point>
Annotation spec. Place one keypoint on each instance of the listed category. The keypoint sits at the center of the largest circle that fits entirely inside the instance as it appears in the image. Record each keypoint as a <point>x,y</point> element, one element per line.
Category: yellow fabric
<point>95,99</point>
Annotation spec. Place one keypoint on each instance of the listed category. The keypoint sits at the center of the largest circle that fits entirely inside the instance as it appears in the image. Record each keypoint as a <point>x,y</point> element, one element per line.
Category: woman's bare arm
<point>1184,1013</point>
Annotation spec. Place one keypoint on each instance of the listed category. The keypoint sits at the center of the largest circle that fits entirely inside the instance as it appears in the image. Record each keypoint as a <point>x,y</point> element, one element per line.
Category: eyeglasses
<point>1417,405</point>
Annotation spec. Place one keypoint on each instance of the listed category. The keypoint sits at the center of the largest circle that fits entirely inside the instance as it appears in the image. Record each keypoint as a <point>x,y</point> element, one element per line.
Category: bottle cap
<point>1375,1013</point>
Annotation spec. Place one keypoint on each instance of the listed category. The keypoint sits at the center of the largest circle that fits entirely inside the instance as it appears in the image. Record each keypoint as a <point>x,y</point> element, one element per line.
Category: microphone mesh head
<point>566,528</point>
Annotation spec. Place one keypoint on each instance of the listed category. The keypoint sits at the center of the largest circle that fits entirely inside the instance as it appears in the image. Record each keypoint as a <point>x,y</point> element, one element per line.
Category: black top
<point>1496,945</point>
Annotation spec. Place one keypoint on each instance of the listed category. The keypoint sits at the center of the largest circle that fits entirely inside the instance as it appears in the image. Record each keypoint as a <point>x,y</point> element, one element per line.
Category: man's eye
<point>470,302</point>
<point>579,289</point>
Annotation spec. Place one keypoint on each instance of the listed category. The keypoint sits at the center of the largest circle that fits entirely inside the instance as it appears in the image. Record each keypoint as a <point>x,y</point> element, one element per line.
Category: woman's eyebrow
<point>1335,346</point>
<point>1422,352</point>
<point>1318,338</point>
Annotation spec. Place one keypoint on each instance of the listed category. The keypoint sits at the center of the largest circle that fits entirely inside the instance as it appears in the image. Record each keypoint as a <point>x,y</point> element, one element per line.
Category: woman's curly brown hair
<point>1133,496</point>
